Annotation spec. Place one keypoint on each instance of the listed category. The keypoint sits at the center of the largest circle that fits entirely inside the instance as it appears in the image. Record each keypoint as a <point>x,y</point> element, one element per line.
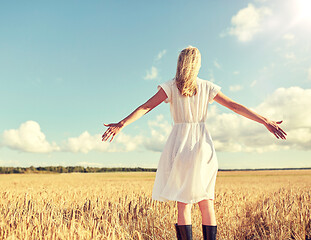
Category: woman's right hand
<point>112,131</point>
<point>275,129</point>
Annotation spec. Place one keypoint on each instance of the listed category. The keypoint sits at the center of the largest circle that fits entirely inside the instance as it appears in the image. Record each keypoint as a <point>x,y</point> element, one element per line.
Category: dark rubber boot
<point>183,232</point>
<point>209,232</point>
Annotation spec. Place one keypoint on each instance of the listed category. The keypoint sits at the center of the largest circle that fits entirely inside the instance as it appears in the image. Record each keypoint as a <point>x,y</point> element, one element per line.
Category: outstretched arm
<point>246,112</point>
<point>115,128</point>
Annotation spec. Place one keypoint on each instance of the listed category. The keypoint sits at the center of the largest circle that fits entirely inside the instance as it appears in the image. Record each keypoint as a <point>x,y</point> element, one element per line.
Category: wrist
<point>265,121</point>
<point>121,123</point>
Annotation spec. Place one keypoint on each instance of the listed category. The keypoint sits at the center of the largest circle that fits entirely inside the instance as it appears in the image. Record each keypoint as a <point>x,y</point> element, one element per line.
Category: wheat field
<point>249,205</point>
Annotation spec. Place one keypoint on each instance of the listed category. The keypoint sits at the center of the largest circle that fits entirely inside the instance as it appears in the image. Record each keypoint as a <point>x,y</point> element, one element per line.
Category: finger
<point>112,137</point>
<point>104,136</point>
<point>282,131</point>
<point>108,125</point>
<point>107,131</point>
<point>281,135</point>
<point>275,135</point>
<point>279,122</point>
<point>107,136</point>
<point>110,130</point>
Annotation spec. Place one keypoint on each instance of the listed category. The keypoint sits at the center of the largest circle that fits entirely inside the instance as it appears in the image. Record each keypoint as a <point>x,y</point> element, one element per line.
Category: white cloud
<point>160,55</point>
<point>248,22</point>
<point>28,138</point>
<point>235,88</point>
<point>217,65</point>
<point>236,73</point>
<point>128,143</point>
<point>160,130</point>
<point>232,132</point>
<point>152,74</point>
<point>293,105</point>
<point>87,142</point>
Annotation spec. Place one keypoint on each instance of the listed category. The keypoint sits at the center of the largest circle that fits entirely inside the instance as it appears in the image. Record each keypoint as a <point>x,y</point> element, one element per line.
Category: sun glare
<point>304,9</point>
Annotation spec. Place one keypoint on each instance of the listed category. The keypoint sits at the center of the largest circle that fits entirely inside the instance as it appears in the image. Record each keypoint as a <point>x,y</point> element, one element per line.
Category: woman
<point>188,165</point>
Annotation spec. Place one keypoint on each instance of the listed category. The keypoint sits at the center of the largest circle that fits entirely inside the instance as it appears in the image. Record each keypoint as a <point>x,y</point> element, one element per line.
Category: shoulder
<point>206,83</point>
<point>168,82</point>
<point>201,81</point>
<point>171,82</point>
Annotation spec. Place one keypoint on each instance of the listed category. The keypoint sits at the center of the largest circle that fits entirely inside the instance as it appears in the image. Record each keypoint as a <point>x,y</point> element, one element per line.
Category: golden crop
<point>249,205</point>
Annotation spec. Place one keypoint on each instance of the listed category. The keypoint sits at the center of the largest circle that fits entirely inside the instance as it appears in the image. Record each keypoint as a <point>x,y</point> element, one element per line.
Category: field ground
<point>249,205</point>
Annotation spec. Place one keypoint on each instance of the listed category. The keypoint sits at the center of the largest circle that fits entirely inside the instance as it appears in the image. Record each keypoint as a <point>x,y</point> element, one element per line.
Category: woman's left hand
<point>274,128</point>
<point>112,131</point>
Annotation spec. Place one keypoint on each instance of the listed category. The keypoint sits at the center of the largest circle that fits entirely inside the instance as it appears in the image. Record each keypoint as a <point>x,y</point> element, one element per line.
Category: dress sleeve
<point>167,89</point>
<point>213,90</point>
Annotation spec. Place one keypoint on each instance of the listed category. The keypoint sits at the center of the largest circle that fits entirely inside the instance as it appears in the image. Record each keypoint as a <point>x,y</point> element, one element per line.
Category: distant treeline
<point>80,169</point>
<point>71,169</point>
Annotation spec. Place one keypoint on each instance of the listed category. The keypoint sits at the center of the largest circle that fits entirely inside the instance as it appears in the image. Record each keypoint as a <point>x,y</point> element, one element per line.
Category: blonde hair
<point>188,66</point>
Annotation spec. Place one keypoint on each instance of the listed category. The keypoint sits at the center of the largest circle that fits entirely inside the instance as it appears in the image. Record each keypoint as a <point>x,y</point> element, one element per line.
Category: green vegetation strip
<point>80,169</point>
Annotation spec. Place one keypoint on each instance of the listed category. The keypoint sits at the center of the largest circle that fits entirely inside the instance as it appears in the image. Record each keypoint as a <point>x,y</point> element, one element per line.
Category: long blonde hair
<point>188,66</point>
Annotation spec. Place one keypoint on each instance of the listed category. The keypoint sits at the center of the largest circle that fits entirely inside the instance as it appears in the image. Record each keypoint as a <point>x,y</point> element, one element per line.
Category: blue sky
<point>67,67</point>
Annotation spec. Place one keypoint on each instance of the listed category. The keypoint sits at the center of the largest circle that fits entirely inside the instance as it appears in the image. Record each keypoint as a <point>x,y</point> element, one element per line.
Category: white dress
<point>188,165</point>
